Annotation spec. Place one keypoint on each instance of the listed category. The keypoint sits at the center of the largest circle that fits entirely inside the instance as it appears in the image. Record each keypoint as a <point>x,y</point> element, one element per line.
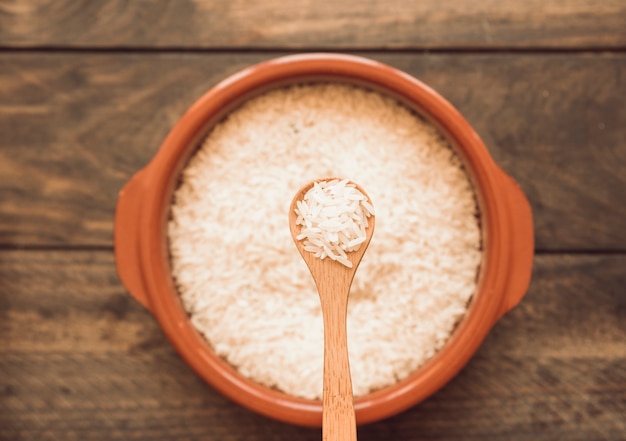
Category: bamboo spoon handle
<point>338,418</point>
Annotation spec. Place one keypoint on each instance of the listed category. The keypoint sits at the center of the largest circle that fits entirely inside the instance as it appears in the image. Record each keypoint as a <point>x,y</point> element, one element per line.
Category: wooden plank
<point>76,126</point>
<point>304,24</point>
<point>80,360</point>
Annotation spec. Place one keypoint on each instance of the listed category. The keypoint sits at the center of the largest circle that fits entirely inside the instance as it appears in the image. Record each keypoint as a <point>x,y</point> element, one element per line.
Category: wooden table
<point>89,89</point>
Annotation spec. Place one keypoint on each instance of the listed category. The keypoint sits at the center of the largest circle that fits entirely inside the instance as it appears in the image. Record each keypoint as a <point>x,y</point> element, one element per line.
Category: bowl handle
<point>126,237</point>
<point>522,246</point>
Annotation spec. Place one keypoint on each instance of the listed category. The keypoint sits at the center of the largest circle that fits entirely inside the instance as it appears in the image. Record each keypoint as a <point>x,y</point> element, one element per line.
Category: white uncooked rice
<point>242,280</point>
<point>333,215</point>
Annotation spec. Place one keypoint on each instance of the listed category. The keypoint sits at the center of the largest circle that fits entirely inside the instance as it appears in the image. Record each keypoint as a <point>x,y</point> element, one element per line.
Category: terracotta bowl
<point>143,206</point>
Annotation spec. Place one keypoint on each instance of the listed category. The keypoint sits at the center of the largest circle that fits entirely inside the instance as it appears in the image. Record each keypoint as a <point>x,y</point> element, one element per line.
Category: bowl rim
<point>484,309</point>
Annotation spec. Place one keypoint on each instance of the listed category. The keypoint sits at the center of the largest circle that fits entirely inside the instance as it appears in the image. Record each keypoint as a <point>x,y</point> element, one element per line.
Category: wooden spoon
<point>333,282</point>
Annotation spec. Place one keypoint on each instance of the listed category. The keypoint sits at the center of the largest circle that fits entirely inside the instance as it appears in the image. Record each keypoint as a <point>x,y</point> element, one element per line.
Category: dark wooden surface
<point>88,90</point>
<point>303,24</point>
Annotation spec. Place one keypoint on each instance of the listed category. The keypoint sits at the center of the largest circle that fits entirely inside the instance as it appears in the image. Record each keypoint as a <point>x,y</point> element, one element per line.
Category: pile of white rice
<point>241,278</point>
<point>333,216</point>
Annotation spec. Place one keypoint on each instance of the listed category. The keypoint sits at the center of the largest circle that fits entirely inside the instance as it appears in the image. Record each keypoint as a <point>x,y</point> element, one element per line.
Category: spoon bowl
<point>333,281</point>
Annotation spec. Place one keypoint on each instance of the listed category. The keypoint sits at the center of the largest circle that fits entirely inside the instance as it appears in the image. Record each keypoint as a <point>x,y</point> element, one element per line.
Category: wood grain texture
<point>81,360</point>
<point>305,23</point>
<point>75,127</point>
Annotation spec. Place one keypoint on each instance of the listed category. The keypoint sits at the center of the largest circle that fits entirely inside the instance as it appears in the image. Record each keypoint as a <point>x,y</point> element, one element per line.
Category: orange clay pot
<point>141,249</point>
